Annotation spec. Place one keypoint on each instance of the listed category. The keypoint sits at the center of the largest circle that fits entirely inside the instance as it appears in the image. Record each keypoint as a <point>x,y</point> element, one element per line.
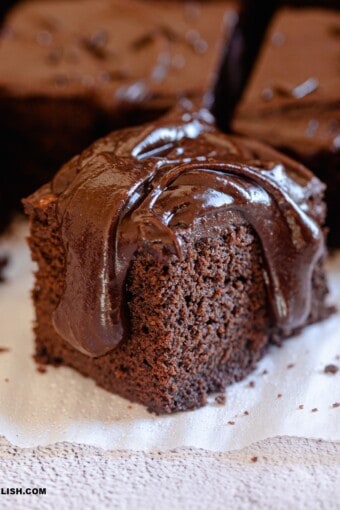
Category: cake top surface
<point>298,75</point>
<point>111,50</point>
<point>154,185</point>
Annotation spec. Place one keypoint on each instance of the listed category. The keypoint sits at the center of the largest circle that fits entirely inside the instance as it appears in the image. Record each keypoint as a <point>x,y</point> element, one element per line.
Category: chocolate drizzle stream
<point>144,187</point>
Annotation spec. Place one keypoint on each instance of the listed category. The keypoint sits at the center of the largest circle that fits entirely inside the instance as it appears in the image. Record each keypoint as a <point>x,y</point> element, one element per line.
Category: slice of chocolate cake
<point>293,98</point>
<point>170,256</point>
<point>72,71</point>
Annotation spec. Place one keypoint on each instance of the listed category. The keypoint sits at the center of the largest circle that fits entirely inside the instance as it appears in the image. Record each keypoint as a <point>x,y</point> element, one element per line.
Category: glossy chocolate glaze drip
<point>146,186</point>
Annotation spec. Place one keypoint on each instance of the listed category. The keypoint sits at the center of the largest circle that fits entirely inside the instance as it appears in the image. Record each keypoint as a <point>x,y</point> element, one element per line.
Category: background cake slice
<point>292,100</point>
<point>71,71</point>
<point>170,256</point>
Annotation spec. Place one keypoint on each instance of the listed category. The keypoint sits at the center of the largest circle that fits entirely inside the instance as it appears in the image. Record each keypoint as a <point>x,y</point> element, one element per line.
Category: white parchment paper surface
<point>60,405</point>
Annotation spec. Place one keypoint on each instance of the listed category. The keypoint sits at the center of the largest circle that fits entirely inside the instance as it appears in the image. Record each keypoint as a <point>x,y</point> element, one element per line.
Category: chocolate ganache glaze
<point>147,185</point>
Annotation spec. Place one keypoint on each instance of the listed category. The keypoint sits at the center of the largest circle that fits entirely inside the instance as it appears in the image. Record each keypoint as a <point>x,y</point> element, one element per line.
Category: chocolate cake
<point>293,98</point>
<point>170,256</point>
<point>72,71</point>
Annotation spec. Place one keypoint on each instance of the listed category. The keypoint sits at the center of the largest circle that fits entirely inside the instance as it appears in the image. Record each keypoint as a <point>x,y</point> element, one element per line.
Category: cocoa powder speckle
<point>254,459</point>
<point>314,410</point>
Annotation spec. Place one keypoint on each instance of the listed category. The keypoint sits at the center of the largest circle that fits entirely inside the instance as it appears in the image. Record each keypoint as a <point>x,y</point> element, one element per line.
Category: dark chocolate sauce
<point>145,186</point>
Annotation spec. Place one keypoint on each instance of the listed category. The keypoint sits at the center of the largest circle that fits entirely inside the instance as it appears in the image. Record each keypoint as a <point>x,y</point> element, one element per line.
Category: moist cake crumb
<point>331,369</point>
<point>3,264</point>
<point>220,399</point>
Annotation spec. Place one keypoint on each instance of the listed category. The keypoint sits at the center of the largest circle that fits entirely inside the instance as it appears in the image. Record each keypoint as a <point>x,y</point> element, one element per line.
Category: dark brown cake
<point>293,98</point>
<point>170,256</point>
<point>72,71</point>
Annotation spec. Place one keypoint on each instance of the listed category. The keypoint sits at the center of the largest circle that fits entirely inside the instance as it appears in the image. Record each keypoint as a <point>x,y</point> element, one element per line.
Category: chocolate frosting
<point>146,187</point>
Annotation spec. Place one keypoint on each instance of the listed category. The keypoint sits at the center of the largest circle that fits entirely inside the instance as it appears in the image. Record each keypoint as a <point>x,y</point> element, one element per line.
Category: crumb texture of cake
<point>72,71</point>
<point>292,100</point>
<point>170,256</point>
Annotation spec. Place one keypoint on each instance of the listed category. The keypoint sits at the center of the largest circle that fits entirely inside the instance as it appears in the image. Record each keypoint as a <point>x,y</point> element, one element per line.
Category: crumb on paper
<point>331,369</point>
<point>291,365</point>
<point>220,399</point>
<point>254,459</point>
<point>314,410</point>
<point>4,349</point>
<point>279,395</point>
<point>6,379</point>
<point>41,369</point>
<point>246,413</point>
<point>301,406</point>
<point>130,406</point>
<point>3,263</point>
<point>251,384</point>
<point>335,405</point>
<point>231,423</point>
<point>265,372</point>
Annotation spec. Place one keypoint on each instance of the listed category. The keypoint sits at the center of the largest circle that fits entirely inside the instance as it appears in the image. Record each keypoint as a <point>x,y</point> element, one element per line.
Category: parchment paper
<point>60,405</point>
